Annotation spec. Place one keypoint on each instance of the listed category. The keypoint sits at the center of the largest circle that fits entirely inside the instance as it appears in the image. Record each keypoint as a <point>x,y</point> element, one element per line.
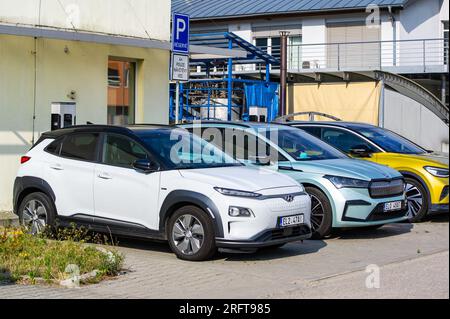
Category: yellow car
<point>426,173</point>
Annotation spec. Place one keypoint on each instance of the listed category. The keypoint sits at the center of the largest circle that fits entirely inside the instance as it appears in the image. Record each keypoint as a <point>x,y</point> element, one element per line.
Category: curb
<point>8,219</point>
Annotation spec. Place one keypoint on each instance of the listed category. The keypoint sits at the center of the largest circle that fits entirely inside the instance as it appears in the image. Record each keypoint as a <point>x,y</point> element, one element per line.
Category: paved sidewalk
<point>413,263</point>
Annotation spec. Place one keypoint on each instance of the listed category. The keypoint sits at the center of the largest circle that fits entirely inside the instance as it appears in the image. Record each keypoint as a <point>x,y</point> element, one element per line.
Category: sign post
<point>180,55</point>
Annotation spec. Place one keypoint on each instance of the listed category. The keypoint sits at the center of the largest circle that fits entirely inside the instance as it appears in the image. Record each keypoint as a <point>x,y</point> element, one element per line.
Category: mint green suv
<point>345,192</point>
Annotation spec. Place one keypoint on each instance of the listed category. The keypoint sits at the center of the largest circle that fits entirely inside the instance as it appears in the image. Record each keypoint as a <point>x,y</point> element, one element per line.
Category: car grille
<point>380,189</point>
<point>279,205</point>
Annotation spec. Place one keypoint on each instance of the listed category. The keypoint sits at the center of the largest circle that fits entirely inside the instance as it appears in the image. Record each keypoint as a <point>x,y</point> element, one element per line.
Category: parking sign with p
<point>180,33</point>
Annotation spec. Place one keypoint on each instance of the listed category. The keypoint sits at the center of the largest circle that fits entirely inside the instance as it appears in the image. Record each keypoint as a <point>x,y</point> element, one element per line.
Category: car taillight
<point>24,159</point>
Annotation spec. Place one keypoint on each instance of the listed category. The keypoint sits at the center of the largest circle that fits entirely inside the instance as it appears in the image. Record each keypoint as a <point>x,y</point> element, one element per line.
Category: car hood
<point>431,159</point>
<point>351,168</point>
<point>240,178</point>
<point>439,158</point>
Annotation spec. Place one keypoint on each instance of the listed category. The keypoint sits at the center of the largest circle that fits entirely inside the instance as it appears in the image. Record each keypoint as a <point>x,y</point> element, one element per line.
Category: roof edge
<point>282,13</point>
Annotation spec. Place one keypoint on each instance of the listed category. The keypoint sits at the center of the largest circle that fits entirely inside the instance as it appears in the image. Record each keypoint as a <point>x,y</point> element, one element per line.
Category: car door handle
<point>104,176</point>
<point>57,167</point>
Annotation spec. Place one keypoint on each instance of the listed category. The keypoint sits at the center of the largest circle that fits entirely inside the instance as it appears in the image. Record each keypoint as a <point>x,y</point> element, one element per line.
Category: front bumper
<point>268,238</point>
<point>356,208</point>
<point>267,212</point>
<point>377,214</point>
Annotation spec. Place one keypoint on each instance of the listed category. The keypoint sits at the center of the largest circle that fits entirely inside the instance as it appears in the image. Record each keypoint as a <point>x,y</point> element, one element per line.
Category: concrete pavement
<point>411,261</point>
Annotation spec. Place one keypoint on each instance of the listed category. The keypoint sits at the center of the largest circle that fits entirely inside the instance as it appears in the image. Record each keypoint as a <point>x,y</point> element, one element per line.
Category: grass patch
<point>37,258</point>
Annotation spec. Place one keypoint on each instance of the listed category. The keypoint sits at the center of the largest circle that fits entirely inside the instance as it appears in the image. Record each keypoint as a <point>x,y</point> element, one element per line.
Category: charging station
<point>63,115</point>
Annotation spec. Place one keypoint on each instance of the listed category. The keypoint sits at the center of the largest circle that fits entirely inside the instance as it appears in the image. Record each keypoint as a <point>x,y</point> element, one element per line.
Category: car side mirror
<point>260,160</point>
<point>145,166</point>
<point>363,152</point>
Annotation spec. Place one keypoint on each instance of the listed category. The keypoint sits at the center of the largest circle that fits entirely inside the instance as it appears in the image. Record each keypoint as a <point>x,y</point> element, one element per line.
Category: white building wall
<point>422,19</point>
<point>412,120</point>
<point>139,18</point>
<point>60,67</point>
<point>444,10</point>
<point>243,30</point>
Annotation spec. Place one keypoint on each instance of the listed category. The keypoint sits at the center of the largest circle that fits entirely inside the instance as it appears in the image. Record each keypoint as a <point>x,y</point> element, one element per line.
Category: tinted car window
<point>240,144</point>
<point>81,146</point>
<point>390,141</point>
<point>303,146</point>
<point>178,149</point>
<point>316,131</point>
<point>345,141</point>
<point>54,147</point>
<point>122,151</point>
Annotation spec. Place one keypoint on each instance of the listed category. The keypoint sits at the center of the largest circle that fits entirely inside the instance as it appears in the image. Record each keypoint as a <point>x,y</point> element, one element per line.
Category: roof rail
<point>311,115</point>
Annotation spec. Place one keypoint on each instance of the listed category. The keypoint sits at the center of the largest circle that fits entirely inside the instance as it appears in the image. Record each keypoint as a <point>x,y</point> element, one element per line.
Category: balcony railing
<point>405,56</point>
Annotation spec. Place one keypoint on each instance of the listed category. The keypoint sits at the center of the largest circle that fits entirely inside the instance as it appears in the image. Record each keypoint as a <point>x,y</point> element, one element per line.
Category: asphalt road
<point>405,261</point>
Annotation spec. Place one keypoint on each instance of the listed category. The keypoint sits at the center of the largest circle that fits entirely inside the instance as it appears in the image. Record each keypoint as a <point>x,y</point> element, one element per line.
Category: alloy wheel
<point>415,200</point>
<point>34,216</point>
<point>188,234</point>
<point>317,213</point>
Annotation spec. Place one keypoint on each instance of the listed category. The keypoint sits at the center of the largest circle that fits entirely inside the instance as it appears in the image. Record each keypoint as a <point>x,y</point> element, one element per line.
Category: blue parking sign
<point>180,33</point>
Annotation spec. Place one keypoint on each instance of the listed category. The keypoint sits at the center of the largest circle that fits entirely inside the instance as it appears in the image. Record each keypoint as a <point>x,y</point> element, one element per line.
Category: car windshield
<point>390,141</point>
<point>303,146</point>
<point>178,149</point>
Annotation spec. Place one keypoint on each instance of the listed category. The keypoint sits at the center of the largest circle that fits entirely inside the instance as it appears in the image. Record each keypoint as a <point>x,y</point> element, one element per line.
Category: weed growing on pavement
<point>24,257</point>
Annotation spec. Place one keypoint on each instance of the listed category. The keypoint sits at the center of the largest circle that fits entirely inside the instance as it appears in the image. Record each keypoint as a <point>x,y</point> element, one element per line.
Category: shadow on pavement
<point>143,244</point>
<point>289,250</point>
<point>292,249</point>
<point>389,230</point>
<point>438,218</point>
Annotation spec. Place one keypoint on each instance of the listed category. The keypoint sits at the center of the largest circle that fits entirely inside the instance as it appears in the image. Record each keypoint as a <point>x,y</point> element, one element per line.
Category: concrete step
<point>8,219</point>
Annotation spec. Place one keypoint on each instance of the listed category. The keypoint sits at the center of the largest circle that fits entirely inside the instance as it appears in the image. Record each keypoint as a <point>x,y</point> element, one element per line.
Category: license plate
<point>292,220</point>
<point>389,207</point>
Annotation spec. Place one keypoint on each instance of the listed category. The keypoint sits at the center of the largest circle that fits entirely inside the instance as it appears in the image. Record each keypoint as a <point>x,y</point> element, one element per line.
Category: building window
<point>294,52</point>
<point>121,92</point>
<point>262,43</point>
<point>272,45</point>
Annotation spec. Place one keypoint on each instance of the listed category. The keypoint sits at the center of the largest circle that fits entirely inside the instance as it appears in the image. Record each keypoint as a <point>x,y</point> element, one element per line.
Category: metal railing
<point>408,56</point>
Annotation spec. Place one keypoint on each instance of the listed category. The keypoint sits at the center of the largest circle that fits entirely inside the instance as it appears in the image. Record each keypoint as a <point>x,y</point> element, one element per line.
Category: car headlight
<point>437,171</point>
<point>344,182</point>
<point>234,211</point>
<point>236,193</point>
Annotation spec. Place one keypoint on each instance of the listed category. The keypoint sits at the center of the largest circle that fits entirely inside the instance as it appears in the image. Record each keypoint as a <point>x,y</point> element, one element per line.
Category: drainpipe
<point>283,73</point>
<point>33,138</point>
<point>394,35</point>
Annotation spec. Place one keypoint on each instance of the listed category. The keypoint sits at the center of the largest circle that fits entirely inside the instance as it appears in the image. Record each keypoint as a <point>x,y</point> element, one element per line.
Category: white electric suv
<point>161,183</point>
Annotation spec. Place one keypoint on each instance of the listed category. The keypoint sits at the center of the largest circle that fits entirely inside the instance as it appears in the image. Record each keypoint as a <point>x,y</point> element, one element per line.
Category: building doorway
<point>121,92</point>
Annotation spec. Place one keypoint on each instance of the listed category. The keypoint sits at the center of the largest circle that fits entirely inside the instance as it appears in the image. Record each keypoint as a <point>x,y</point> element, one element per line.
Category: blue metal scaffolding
<point>200,98</point>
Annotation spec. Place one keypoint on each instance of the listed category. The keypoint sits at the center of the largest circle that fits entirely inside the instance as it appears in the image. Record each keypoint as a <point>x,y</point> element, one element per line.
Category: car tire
<point>321,213</point>
<point>37,212</point>
<point>417,197</point>
<point>191,234</point>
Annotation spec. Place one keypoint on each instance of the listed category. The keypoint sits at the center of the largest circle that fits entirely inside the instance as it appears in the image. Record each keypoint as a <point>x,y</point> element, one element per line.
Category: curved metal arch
<point>416,92</point>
